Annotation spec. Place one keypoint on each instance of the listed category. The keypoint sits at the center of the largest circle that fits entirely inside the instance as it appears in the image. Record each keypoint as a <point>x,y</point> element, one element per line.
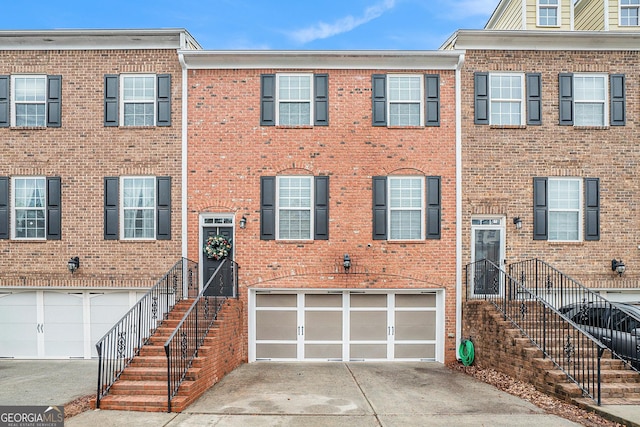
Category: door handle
<point>605,339</point>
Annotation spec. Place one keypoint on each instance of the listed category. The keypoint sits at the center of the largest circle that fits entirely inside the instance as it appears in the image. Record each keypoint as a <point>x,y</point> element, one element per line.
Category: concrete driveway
<point>342,394</point>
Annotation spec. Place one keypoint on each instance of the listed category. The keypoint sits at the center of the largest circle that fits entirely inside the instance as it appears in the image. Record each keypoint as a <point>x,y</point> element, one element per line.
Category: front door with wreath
<point>213,254</point>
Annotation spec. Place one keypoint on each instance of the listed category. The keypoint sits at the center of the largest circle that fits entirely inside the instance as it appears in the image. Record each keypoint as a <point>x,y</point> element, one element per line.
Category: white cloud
<point>323,30</point>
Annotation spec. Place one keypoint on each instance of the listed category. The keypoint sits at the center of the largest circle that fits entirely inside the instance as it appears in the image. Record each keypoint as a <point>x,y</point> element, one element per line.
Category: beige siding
<point>614,16</point>
<point>590,15</point>
<point>564,12</point>
<point>511,18</point>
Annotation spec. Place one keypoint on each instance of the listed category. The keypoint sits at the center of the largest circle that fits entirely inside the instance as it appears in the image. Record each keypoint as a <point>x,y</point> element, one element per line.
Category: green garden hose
<point>466,352</point>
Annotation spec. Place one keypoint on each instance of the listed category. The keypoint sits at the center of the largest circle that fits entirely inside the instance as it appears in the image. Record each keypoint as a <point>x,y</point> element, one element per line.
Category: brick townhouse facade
<point>550,139</point>
<point>91,145</point>
<point>334,176</point>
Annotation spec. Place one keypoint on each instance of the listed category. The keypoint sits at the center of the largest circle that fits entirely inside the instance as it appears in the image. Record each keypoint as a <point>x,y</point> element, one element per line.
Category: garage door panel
<point>367,325</point>
<point>323,326</point>
<point>276,325</point>
<point>63,325</point>
<point>323,351</point>
<point>276,351</point>
<point>368,300</point>
<point>18,325</point>
<point>276,300</point>
<point>368,351</point>
<point>415,325</point>
<point>415,351</point>
<point>323,300</point>
<point>415,300</point>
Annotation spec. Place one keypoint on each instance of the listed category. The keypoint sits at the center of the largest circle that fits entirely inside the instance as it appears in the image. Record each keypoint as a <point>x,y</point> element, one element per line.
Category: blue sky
<point>268,24</point>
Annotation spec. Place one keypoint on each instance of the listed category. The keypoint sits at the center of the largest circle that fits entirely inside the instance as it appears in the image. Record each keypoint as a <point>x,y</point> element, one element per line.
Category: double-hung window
<point>137,100</point>
<point>406,207</point>
<point>30,100</point>
<point>405,100</point>
<point>137,208</point>
<point>30,208</point>
<point>629,13</point>
<point>294,99</point>
<point>566,209</point>
<point>590,99</point>
<point>294,207</point>
<point>507,99</point>
<point>548,13</point>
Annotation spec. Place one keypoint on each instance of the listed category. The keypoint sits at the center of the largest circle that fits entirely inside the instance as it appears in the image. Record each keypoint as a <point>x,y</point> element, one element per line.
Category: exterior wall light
<point>243,222</point>
<point>73,264</point>
<point>518,222</point>
<point>618,266</point>
<point>346,263</point>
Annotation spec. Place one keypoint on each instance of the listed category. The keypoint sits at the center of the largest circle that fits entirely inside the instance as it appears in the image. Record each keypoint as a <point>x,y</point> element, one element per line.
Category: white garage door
<point>57,324</point>
<point>344,325</point>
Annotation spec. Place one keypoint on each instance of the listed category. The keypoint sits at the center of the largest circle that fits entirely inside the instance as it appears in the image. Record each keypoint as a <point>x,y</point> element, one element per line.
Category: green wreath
<point>217,247</point>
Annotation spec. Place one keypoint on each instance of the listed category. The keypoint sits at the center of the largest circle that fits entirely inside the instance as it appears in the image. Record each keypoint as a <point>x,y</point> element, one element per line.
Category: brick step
<point>142,402</point>
<point>152,350</point>
<point>149,361</point>
<point>124,387</point>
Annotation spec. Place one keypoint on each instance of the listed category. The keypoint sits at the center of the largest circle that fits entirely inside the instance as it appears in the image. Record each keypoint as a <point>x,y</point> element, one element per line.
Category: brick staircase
<point>501,346</point>
<point>143,384</point>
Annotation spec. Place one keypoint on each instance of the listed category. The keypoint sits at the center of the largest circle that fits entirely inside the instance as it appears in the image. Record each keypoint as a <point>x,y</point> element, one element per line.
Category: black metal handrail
<point>183,344</point>
<point>574,351</point>
<point>617,328</point>
<point>123,342</point>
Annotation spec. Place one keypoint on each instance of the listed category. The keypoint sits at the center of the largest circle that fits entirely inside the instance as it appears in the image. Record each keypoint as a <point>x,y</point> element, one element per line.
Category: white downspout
<point>459,284</point>
<point>185,145</point>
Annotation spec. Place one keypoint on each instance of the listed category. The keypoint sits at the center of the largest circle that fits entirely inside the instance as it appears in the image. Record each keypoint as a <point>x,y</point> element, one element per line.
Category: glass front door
<point>487,243</point>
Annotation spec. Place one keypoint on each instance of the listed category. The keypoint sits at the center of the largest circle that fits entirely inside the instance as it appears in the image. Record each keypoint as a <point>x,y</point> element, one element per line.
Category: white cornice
<point>546,40</point>
<point>76,39</point>
<point>308,60</point>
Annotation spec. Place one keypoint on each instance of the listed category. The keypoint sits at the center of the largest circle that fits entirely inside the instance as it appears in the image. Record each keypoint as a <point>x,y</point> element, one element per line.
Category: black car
<point>616,325</point>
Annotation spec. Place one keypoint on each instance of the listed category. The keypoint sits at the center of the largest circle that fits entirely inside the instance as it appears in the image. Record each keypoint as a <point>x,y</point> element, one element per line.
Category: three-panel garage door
<point>345,325</point>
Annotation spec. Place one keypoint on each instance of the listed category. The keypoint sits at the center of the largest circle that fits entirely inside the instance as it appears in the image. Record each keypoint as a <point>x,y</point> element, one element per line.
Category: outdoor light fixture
<point>73,264</point>
<point>346,263</point>
<point>518,222</point>
<point>243,222</point>
<point>618,266</point>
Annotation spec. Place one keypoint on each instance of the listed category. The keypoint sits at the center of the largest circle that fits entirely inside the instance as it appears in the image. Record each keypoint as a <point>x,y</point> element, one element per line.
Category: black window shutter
<point>111,100</point>
<point>432,99</point>
<point>379,207</point>
<point>267,208</point>
<point>4,207</point>
<point>534,98</point>
<point>565,91</point>
<point>434,207</point>
<point>54,101</point>
<point>379,99</point>
<point>111,208</point>
<point>54,209</point>
<point>321,107</point>
<point>164,100</point>
<point>592,209</point>
<point>4,101</point>
<point>618,100</point>
<point>268,100</point>
<point>481,96</point>
<point>163,208</point>
<point>540,209</point>
<point>321,218</point>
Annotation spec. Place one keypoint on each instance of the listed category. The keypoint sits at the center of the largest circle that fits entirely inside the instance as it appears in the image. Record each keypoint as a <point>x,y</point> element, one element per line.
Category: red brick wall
<point>499,165</point>
<point>229,151</point>
<point>82,152</point>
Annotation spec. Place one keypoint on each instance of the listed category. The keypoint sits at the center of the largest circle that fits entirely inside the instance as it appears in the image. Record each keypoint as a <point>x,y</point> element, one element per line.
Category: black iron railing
<point>182,346</point>
<point>616,325</point>
<point>123,342</point>
<point>573,350</point>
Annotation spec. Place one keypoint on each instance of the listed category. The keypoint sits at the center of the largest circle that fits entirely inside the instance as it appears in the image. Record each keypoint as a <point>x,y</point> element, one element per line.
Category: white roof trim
<point>546,40</point>
<point>76,39</point>
<point>314,60</point>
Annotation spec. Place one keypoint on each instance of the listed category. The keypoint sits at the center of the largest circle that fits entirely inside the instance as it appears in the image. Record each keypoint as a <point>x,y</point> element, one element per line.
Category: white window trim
<point>548,6</point>
<point>523,91</point>
<point>13,208</point>
<point>311,96</point>
<point>605,101</point>
<point>420,101</point>
<point>311,207</point>
<point>580,209</point>
<point>422,208</point>
<point>122,102</point>
<point>13,97</point>
<point>154,208</point>
<point>627,6</point>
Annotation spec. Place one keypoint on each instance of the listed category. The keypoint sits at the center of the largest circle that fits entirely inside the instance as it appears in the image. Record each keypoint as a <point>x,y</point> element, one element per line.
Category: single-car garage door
<point>345,325</point>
